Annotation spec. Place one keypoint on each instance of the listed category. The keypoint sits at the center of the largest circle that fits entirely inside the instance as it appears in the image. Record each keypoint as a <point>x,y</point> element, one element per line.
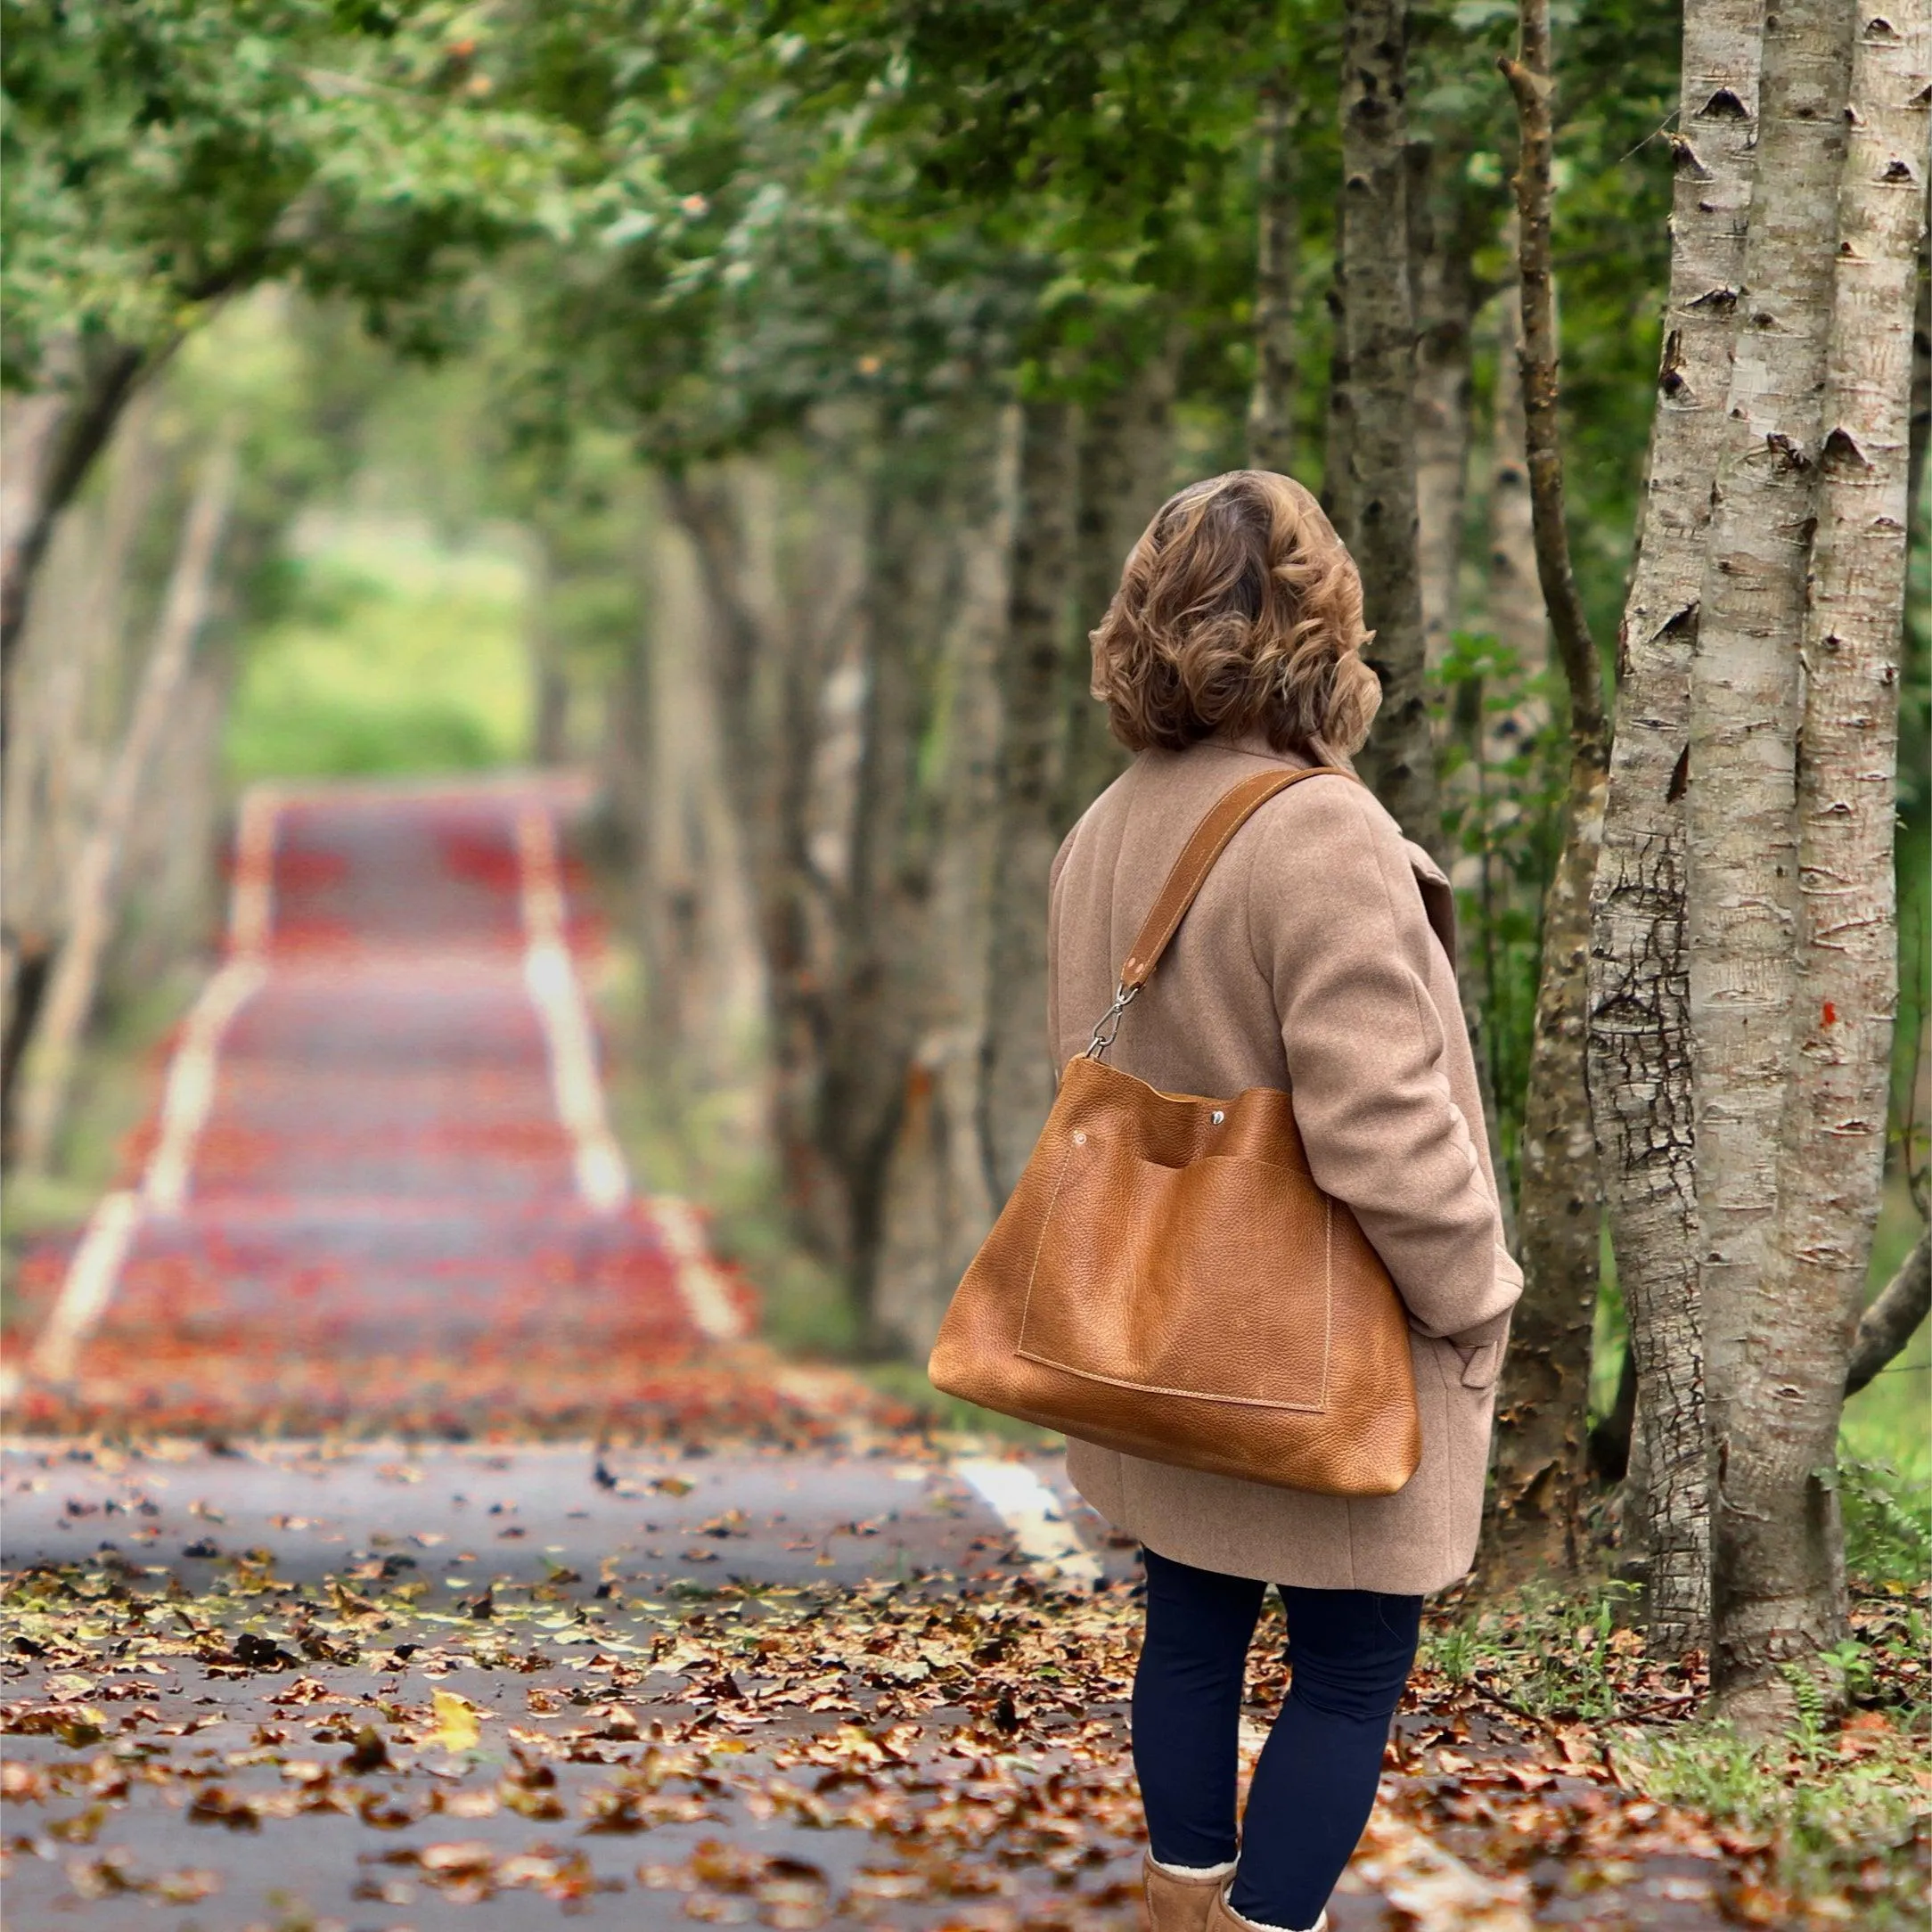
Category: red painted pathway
<point>378,1185</point>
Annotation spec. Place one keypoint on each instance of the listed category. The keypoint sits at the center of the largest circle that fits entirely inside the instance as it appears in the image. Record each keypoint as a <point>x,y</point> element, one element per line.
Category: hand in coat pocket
<point>1480,1351</point>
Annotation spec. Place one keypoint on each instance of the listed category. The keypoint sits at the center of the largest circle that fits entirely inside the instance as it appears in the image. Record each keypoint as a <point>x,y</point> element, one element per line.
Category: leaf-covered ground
<point>476,1685</point>
<point>328,1600</point>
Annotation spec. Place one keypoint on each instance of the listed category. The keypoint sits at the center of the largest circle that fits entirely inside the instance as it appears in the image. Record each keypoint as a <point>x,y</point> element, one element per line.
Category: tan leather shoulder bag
<point>1166,1278</point>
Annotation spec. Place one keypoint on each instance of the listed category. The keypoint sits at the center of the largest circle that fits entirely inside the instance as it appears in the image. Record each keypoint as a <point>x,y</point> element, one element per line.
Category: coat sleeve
<point>1337,925</point>
<point>1052,953</point>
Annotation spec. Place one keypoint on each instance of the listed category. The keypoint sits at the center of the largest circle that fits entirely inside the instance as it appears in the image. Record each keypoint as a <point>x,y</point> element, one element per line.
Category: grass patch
<point>113,1088</point>
<point>1889,1420</point>
<point>395,654</point>
<point>906,1381</point>
<point>1827,1823</point>
<point>1888,1522</point>
<point>1834,1818</point>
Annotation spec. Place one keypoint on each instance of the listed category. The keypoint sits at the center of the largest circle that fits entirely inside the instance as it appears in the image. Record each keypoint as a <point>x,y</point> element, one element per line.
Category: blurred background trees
<point>754,404</point>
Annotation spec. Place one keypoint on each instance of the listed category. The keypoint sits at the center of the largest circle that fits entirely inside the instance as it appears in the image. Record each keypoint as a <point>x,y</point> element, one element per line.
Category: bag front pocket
<point>1209,1279</point>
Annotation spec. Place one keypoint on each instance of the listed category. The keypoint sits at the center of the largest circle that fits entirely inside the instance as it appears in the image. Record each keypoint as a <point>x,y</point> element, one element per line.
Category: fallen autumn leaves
<point>923,1752</point>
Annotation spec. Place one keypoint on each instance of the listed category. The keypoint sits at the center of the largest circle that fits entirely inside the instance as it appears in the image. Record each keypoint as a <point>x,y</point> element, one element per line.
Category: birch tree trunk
<point>1741,873</point>
<point>1639,1038</point>
<point>1125,456</point>
<point>69,655</point>
<point>1516,609</point>
<point>700,914</point>
<point>52,443</point>
<point>171,860</point>
<point>1781,1596</point>
<point>1447,298</point>
<point>1921,433</point>
<point>1337,420</point>
<point>766,687</point>
<point>92,903</point>
<point>937,1211</point>
<point>629,766</point>
<point>886,990</point>
<point>1542,1405</point>
<point>1379,328</point>
<point>1016,1069</point>
<point>1271,404</point>
<point>1445,306</point>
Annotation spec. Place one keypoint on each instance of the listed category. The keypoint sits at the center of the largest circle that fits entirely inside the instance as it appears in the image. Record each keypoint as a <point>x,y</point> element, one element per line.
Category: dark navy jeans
<point>1350,1652</point>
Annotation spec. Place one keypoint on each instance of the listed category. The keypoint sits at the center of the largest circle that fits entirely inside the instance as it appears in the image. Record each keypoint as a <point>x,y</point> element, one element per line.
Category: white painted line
<point>89,1286</point>
<point>700,1280</point>
<point>189,1094</point>
<point>93,1273</point>
<point>603,1180</point>
<point>1035,1518</point>
<point>550,974</point>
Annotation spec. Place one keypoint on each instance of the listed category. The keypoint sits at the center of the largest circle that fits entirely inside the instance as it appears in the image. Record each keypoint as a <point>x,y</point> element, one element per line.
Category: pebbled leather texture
<point>1168,1279</point>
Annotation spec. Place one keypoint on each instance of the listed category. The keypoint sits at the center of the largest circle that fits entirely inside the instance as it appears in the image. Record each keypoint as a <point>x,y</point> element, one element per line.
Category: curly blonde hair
<point>1240,610</point>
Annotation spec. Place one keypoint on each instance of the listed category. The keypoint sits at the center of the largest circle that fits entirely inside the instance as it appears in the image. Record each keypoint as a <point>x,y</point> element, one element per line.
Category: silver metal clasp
<point>1109,1022</point>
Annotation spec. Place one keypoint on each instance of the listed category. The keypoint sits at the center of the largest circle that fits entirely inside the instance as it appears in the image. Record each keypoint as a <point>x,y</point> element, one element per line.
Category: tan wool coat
<point>1309,961</point>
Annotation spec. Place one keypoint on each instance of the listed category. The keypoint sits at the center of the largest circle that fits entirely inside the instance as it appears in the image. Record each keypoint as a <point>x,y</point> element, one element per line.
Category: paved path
<point>405,1526</point>
<point>380,1175</point>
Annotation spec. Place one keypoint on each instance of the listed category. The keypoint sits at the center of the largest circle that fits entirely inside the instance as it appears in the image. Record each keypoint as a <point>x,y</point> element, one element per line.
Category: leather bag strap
<point>1224,818</point>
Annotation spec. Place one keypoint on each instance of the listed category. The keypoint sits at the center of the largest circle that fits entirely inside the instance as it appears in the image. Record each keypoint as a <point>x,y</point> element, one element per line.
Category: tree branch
<point>1529,81</point>
<point>1894,1318</point>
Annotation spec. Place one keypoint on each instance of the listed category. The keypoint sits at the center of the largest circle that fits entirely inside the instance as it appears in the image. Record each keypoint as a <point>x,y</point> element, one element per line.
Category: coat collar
<point>1438,897</point>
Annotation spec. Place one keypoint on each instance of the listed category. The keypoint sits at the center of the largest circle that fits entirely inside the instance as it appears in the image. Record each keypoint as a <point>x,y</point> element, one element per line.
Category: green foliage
<point>1833,1825</point>
<point>1502,791</point>
<point>1829,1816</point>
<point>905,1382</point>
<point>1548,1655</point>
<point>394,655</point>
<point>1888,1523</point>
<point>160,155</point>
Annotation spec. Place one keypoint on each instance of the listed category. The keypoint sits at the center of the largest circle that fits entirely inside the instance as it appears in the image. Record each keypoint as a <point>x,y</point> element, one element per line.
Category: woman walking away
<point>1317,960</point>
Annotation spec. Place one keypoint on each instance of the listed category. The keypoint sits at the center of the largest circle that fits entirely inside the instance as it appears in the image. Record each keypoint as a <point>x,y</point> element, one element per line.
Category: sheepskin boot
<point>1221,1917</point>
<point>1180,1901</point>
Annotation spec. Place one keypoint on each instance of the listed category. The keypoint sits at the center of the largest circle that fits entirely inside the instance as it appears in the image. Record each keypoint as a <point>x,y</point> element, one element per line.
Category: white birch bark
<point>937,1207</point>
<point>1782,1576</point>
<point>1742,845</point>
<point>1513,595</point>
<point>1544,1398</point>
<point>1377,445</point>
<point>92,905</point>
<point>1125,458</point>
<point>1639,1045</point>
<point>1271,403</point>
<point>1017,1073</point>
<point>53,439</point>
<point>1445,301</point>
